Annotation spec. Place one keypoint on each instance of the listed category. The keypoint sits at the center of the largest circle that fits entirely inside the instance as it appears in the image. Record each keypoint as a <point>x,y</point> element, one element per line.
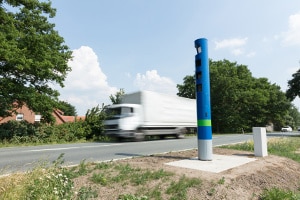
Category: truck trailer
<point>147,113</point>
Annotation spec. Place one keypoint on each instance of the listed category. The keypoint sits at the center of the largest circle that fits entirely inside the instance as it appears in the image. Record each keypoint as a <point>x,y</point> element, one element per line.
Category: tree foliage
<point>32,57</point>
<point>116,98</point>
<point>94,119</point>
<point>67,108</point>
<point>294,86</point>
<point>238,100</point>
<point>187,89</point>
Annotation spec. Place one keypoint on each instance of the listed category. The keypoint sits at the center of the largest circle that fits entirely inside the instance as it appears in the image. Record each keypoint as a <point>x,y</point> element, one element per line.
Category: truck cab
<point>123,120</point>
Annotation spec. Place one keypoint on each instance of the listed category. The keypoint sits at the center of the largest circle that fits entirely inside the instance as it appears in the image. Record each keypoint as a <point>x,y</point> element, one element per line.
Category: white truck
<point>148,113</point>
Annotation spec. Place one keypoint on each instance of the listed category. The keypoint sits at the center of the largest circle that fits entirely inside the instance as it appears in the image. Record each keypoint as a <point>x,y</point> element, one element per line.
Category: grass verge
<point>288,147</point>
<point>52,181</point>
<point>57,182</point>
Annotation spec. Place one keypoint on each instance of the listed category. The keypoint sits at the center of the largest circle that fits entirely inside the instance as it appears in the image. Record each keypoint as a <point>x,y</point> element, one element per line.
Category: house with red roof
<point>24,113</point>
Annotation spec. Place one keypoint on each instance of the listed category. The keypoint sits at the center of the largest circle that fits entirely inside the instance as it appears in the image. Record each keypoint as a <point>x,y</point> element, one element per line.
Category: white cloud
<point>154,82</point>
<point>86,85</point>
<point>292,36</point>
<point>235,45</point>
<point>231,43</point>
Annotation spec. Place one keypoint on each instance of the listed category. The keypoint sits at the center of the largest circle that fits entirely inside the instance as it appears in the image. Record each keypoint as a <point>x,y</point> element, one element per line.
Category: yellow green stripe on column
<point>204,122</point>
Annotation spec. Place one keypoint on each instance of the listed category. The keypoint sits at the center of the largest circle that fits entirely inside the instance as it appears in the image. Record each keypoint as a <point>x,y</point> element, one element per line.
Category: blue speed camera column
<point>204,129</point>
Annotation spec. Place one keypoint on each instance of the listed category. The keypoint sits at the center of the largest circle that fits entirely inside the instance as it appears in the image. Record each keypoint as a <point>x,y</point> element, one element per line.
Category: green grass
<point>41,183</point>
<point>99,178</point>
<point>154,193</point>
<point>86,193</point>
<point>46,181</point>
<point>245,146</point>
<point>103,165</point>
<point>57,182</point>
<point>221,181</point>
<point>178,189</point>
<point>285,147</point>
<point>278,194</point>
<point>132,197</point>
<point>126,174</point>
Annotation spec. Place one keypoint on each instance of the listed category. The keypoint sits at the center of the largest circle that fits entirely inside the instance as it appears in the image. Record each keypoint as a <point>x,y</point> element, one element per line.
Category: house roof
<point>65,119</point>
<point>68,118</point>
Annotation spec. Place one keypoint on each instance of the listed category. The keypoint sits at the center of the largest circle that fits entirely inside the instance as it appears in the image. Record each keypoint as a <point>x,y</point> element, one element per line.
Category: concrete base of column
<point>205,150</point>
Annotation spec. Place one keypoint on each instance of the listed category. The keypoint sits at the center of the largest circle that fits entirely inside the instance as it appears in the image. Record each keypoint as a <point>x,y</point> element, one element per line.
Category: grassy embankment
<point>57,182</point>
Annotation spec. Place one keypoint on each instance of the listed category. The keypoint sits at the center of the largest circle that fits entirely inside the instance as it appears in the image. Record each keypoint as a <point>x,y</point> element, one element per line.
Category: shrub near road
<point>22,132</point>
<point>16,133</point>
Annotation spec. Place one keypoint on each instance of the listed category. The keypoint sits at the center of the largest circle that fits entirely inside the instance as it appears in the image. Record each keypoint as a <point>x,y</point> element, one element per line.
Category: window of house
<point>20,117</point>
<point>37,118</point>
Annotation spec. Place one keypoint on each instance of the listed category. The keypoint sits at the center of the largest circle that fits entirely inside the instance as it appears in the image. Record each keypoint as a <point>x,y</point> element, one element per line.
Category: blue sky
<point>139,44</point>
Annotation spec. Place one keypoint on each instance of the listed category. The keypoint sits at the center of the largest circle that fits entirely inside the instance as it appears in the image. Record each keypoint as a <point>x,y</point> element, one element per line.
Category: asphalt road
<point>24,158</point>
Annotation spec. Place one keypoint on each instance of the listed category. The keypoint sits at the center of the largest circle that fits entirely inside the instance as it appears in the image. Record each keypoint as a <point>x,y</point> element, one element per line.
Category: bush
<point>24,132</point>
<point>19,132</point>
<point>94,122</point>
<point>68,132</point>
<point>12,128</point>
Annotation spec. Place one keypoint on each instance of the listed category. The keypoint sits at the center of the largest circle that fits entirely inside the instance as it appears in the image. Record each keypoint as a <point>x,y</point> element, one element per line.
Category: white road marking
<point>56,149</point>
<point>68,148</point>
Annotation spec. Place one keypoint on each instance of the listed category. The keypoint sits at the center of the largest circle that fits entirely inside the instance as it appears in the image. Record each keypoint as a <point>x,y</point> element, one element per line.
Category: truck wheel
<point>139,136</point>
<point>180,133</point>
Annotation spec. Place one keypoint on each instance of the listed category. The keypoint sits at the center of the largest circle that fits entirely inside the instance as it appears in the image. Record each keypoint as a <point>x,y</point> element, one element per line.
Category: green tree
<point>32,57</point>
<point>294,86</point>
<point>278,105</point>
<point>228,82</point>
<point>187,89</point>
<point>94,121</point>
<point>293,117</point>
<point>67,108</point>
<point>116,99</point>
<point>240,101</point>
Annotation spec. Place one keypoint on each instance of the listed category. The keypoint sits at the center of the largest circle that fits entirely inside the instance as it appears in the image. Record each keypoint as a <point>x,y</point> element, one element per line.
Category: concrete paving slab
<point>218,164</point>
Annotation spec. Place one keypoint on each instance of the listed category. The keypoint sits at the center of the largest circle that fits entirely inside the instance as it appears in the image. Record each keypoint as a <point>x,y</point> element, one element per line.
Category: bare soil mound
<point>244,182</point>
